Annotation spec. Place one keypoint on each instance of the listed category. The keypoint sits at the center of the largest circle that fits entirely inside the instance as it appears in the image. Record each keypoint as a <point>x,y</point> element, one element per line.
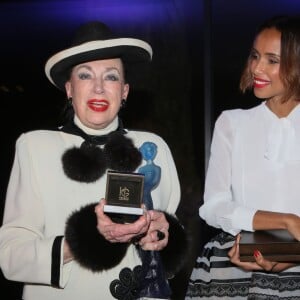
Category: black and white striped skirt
<point>215,277</point>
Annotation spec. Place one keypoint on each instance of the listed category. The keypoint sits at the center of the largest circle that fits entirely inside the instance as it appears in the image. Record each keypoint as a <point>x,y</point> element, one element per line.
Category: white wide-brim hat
<point>94,41</point>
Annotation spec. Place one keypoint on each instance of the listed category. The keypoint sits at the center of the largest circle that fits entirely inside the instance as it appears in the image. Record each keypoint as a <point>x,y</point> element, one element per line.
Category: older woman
<point>55,236</point>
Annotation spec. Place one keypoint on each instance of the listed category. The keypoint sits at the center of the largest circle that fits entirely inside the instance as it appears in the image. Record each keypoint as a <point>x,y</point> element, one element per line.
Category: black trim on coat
<point>56,259</point>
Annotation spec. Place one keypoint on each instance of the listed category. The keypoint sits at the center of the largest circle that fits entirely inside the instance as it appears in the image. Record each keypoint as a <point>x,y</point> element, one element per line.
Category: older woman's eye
<point>84,76</point>
<point>112,77</point>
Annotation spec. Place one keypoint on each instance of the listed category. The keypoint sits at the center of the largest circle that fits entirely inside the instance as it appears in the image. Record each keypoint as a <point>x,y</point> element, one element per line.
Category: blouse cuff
<point>243,219</point>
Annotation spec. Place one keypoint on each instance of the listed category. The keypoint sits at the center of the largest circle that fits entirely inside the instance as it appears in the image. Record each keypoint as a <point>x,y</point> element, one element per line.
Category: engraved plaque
<point>124,196</point>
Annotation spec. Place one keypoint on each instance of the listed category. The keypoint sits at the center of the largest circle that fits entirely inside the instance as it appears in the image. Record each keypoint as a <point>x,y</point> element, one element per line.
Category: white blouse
<point>254,165</point>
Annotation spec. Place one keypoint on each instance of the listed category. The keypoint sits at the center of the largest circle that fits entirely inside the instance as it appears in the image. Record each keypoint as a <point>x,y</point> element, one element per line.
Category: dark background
<point>200,47</point>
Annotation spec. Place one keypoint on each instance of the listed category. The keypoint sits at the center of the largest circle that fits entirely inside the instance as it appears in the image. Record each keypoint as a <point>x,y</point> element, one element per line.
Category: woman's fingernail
<point>256,253</point>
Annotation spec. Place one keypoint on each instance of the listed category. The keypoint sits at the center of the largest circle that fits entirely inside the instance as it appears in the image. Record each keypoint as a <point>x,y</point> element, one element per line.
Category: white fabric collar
<point>111,127</point>
<point>283,139</point>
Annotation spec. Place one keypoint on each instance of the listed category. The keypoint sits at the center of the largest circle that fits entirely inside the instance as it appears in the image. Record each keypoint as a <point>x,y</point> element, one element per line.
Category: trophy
<point>124,196</point>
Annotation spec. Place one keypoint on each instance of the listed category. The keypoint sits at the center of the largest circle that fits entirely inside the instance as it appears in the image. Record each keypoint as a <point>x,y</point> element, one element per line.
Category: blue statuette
<point>154,283</point>
<point>151,171</point>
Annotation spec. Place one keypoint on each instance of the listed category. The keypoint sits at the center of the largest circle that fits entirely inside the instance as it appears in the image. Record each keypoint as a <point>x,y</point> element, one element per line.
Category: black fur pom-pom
<point>84,164</point>
<point>121,154</point>
<point>89,248</point>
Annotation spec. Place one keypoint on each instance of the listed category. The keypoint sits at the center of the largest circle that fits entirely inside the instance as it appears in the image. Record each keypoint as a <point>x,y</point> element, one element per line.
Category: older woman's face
<point>97,88</point>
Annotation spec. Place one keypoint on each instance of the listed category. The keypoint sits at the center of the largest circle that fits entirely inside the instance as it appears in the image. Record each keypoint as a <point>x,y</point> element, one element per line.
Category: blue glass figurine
<point>151,172</point>
<point>155,284</point>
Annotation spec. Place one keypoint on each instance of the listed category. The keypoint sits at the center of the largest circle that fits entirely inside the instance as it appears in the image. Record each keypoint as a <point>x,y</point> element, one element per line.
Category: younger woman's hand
<point>234,256</point>
<point>260,264</point>
<point>270,266</point>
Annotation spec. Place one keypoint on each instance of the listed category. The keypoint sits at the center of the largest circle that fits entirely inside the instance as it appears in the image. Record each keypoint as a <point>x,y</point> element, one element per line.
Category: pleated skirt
<point>215,277</point>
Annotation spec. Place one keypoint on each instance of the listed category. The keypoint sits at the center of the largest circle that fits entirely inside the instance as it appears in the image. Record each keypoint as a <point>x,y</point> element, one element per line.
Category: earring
<point>123,103</point>
<point>70,101</point>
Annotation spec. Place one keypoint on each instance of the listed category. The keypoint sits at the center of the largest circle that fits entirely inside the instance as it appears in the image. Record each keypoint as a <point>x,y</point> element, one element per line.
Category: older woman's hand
<point>260,264</point>
<point>120,233</point>
<point>157,235</point>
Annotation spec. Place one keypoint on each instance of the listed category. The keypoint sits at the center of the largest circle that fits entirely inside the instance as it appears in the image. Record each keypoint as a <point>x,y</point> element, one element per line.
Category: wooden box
<point>274,245</point>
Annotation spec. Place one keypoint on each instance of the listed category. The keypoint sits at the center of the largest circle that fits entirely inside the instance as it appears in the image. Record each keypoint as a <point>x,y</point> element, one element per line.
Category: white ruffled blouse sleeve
<point>219,208</point>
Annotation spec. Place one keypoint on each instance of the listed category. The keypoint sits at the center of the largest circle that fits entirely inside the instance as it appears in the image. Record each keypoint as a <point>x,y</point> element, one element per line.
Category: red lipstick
<point>260,83</point>
<point>98,105</point>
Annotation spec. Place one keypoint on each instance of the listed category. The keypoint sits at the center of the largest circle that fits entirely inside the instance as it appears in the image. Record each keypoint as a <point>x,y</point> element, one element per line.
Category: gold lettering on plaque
<point>124,193</point>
